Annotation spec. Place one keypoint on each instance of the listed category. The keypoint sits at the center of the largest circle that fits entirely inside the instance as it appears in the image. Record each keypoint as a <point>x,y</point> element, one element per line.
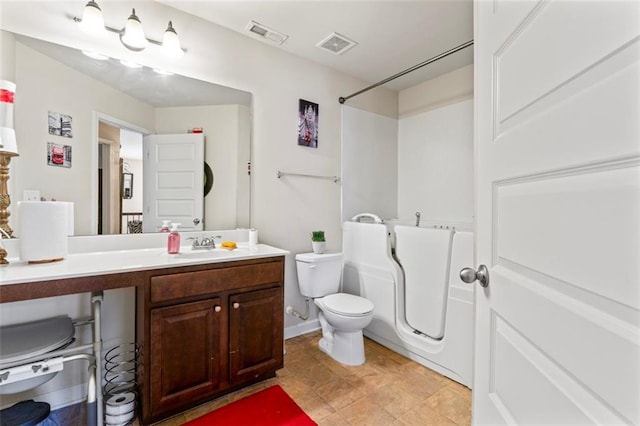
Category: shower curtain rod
<point>408,70</point>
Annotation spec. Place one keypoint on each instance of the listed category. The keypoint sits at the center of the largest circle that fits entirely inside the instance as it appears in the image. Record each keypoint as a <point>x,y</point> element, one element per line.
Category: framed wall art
<point>58,155</point>
<point>60,124</point>
<point>308,123</point>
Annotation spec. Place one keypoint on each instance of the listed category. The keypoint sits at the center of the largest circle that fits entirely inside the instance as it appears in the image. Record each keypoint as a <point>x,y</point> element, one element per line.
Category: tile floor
<point>388,389</point>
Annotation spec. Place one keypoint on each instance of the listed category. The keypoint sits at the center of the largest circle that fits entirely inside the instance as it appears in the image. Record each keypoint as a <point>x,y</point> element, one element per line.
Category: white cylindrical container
<point>7,132</point>
<point>253,237</point>
<point>43,230</point>
<point>7,93</point>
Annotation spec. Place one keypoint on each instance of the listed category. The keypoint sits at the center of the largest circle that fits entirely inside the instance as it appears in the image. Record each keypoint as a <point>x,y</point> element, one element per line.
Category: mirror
<point>109,108</point>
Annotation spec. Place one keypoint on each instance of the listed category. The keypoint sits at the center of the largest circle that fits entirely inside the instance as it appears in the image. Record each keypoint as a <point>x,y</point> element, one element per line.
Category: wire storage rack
<point>120,384</point>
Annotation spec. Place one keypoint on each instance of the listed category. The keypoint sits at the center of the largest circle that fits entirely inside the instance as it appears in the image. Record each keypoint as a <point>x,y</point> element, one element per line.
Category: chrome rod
<point>335,179</point>
<point>408,70</point>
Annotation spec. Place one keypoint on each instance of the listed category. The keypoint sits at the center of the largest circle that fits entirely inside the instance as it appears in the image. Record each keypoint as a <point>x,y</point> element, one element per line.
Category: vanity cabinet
<point>208,330</point>
<point>255,346</point>
<point>185,353</point>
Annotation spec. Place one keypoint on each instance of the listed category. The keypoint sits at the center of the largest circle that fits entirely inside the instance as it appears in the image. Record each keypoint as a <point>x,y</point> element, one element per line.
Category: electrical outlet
<point>31,195</point>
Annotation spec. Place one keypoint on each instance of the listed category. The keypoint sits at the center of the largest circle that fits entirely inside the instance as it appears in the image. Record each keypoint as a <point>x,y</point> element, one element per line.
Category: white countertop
<point>119,261</point>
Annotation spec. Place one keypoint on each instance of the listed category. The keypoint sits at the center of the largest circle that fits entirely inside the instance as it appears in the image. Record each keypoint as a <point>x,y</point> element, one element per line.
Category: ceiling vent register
<point>266,33</point>
<point>336,44</point>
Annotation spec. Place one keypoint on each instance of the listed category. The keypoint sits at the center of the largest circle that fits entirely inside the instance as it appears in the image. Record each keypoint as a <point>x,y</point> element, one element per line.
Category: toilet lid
<point>34,338</point>
<point>347,304</point>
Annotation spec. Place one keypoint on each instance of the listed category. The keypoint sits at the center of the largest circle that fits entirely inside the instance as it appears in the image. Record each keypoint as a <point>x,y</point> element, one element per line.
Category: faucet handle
<point>196,243</point>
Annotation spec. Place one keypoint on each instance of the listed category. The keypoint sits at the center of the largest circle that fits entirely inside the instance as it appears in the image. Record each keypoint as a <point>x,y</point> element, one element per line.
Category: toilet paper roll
<point>120,403</point>
<point>42,229</point>
<point>253,237</point>
<point>123,419</point>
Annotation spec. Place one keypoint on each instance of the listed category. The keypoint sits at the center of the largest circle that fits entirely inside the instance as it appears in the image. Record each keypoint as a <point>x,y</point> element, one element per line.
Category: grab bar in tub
<point>375,218</point>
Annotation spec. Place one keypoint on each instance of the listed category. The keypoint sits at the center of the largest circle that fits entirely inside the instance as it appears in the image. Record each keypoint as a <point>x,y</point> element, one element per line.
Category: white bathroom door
<point>173,168</point>
<point>557,212</point>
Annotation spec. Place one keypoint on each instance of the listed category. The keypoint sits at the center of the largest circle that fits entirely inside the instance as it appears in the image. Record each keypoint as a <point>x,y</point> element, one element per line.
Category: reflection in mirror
<point>127,185</point>
<point>111,109</point>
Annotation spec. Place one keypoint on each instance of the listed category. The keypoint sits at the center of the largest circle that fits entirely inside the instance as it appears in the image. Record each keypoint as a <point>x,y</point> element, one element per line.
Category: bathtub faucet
<point>417,218</point>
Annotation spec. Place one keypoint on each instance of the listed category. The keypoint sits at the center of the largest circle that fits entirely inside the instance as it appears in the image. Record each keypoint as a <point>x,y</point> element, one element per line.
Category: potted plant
<point>318,242</point>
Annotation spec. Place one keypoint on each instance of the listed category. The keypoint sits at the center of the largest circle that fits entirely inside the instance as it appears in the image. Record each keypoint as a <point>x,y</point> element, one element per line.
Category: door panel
<point>173,181</point>
<point>255,326</point>
<point>557,208</point>
<point>185,343</point>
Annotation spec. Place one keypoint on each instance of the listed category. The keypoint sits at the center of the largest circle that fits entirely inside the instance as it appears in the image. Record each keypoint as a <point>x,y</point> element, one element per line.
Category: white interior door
<point>173,168</point>
<point>557,211</point>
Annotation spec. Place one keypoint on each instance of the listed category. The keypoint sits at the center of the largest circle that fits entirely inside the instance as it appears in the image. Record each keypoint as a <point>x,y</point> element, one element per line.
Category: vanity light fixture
<point>132,36</point>
<point>171,43</point>
<point>92,21</point>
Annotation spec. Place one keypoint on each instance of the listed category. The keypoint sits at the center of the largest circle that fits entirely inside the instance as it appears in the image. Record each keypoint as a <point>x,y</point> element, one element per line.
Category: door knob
<point>196,221</point>
<point>217,308</point>
<point>236,305</point>
<point>468,275</point>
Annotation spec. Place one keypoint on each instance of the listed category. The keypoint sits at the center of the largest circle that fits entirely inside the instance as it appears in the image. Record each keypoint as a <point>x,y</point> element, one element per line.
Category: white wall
<point>435,157</point>
<point>446,89</point>
<point>435,149</point>
<point>369,164</point>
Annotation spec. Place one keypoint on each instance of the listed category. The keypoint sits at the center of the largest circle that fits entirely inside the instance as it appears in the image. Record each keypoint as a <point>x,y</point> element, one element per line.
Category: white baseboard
<point>301,328</point>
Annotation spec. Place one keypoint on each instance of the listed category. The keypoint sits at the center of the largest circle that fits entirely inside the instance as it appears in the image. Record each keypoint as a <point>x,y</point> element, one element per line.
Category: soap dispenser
<point>173,241</point>
<point>165,226</point>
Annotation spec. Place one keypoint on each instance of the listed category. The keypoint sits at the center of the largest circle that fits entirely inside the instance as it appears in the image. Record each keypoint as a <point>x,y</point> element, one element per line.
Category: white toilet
<point>342,316</point>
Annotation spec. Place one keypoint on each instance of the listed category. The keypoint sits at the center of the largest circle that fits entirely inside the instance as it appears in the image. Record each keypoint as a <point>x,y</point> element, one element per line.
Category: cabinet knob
<point>217,308</point>
<point>236,305</point>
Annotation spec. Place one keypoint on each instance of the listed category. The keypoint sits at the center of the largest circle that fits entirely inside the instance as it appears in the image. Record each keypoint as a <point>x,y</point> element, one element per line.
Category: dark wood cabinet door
<point>255,334</point>
<point>185,353</point>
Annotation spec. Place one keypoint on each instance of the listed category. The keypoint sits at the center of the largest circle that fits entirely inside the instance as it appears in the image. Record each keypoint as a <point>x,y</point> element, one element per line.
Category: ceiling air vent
<point>336,44</point>
<point>266,33</point>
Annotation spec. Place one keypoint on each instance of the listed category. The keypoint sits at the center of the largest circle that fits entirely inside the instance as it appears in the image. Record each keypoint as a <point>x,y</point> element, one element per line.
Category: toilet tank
<point>318,274</point>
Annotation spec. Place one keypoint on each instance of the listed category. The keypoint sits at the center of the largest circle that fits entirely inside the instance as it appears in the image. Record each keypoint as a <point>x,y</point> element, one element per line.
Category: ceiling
<point>392,35</point>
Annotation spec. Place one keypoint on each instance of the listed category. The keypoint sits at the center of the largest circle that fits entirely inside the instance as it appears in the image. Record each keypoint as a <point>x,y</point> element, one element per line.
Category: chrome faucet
<point>206,243</point>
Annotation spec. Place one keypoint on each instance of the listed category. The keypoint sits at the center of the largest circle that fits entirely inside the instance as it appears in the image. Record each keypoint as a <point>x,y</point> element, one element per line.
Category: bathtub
<point>423,313</point>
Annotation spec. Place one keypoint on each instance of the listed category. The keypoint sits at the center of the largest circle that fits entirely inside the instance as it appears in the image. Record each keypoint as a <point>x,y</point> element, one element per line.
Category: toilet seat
<point>35,338</point>
<point>347,305</point>
<point>29,340</point>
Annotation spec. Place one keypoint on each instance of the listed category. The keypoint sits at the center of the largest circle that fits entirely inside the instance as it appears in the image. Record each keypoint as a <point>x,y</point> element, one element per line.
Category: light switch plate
<point>31,195</point>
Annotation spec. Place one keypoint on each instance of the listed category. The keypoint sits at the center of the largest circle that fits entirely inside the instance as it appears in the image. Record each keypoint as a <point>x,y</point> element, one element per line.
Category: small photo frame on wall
<point>60,124</point>
<point>58,155</point>
<point>308,113</point>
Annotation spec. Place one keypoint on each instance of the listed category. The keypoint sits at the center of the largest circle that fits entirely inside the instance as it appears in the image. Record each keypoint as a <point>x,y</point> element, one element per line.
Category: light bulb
<point>92,20</point>
<point>133,37</point>
<point>171,43</point>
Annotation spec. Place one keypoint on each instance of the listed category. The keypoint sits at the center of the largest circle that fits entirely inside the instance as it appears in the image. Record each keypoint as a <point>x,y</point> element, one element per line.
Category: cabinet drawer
<point>189,284</point>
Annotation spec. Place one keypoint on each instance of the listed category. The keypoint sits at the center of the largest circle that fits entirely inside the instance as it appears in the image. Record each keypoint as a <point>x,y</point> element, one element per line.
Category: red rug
<point>269,407</point>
